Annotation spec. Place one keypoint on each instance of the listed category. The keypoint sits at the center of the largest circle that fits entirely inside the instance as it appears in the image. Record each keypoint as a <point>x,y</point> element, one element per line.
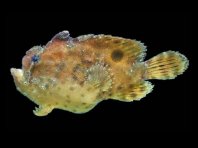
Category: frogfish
<point>75,74</point>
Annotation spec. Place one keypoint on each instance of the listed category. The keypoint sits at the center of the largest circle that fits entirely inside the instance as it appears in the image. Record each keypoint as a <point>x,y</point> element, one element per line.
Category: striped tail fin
<point>166,65</point>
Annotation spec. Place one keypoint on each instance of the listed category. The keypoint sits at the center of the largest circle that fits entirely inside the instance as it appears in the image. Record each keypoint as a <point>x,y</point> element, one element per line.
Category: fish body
<point>75,74</point>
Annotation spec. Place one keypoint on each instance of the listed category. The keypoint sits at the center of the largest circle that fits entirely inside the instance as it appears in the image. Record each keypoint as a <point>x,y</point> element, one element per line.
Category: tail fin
<point>166,65</point>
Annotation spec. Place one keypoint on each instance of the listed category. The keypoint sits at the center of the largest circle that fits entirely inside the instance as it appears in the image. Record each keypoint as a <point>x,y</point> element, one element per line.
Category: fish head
<point>22,77</point>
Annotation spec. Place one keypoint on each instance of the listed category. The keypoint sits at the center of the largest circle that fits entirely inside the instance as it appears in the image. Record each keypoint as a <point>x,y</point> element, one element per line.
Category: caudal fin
<point>166,65</point>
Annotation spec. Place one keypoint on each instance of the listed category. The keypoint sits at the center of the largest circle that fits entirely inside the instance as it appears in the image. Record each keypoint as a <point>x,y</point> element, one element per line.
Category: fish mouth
<point>17,74</point>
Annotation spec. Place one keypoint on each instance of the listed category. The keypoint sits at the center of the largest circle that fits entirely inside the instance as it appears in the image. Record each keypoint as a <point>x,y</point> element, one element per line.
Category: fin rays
<point>136,92</point>
<point>166,65</point>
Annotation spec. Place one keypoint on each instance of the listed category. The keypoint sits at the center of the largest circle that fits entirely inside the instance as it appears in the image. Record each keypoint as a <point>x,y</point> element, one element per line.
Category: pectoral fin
<point>99,76</point>
<point>43,110</point>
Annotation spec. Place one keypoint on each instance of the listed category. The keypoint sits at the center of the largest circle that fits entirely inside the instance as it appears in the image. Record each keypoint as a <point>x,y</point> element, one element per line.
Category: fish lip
<point>17,73</point>
<point>14,71</point>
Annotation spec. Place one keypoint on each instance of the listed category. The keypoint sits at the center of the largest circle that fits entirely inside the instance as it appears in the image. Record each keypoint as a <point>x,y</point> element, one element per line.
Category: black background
<point>167,108</point>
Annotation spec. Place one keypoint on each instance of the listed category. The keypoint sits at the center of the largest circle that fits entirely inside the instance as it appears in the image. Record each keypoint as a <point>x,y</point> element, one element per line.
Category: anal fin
<point>134,92</point>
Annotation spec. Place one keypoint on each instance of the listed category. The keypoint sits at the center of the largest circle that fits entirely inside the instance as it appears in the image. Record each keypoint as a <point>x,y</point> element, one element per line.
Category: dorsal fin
<point>61,39</point>
<point>64,35</point>
<point>115,47</point>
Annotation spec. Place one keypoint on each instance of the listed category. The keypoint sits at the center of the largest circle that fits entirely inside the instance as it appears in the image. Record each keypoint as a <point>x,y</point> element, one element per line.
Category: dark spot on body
<point>71,88</point>
<point>88,106</point>
<point>68,97</point>
<point>46,86</point>
<point>117,41</point>
<point>74,77</point>
<point>68,101</point>
<point>82,95</point>
<point>76,68</point>
<point>130,86</point>
<point>89,88</point>
<point>110,94</point>
<point>119,88</point>
<point>133,95</point>
<point>117,55</point>
<point>103,92</point>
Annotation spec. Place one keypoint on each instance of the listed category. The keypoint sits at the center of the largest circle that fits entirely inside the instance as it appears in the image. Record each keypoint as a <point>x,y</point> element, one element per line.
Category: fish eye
<point>35,58</point>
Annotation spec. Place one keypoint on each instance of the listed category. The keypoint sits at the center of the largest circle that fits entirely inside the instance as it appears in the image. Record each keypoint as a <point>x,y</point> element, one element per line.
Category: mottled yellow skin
<point>75,74</point>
